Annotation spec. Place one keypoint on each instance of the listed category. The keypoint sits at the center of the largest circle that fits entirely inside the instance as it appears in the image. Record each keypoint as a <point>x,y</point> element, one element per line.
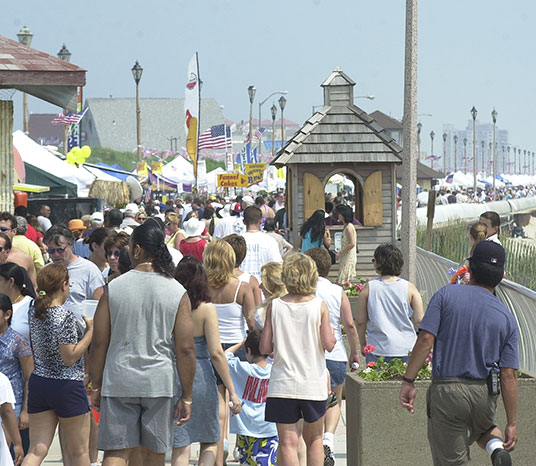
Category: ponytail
<point>11,270</point>
<point>50,279</point>
<point>150,238</point>
<point>162,260</point>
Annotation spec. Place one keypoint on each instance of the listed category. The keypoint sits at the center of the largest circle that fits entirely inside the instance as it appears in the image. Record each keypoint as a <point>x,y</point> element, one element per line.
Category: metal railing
<point>432,274</point>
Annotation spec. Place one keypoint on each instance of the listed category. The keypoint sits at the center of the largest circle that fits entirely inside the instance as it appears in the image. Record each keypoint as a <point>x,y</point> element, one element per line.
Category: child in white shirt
<point>7,413</point>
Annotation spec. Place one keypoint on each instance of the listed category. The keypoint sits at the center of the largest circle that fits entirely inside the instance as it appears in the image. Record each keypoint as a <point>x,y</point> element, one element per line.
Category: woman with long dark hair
<point>203,426</point>
<point>142,321</point>
<point>56,386</point>
<point>13,284</point>
<point>347,256</point>
<point>313,233</point>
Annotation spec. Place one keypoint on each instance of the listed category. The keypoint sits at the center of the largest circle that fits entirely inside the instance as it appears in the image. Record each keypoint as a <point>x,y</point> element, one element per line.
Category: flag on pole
<point>258,134</point>
<point>68,119</point>
<point>255,156</point>
<point>216,137</point>
<point>192,96</point>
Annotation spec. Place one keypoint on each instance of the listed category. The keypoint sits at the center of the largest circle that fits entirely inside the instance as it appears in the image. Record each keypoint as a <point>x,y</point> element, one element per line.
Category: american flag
<point>258,134</point>
<point>216,137</point>
<point>69,119</point>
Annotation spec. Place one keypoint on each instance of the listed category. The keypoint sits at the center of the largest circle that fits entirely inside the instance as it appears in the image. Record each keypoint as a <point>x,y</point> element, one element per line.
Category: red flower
<point>371,364</point>
<point>367,349</point>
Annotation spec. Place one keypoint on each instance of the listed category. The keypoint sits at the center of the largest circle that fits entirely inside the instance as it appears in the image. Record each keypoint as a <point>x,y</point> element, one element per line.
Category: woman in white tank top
<point>298,332</point>
<point>235,306</point>
<point>389,308</point>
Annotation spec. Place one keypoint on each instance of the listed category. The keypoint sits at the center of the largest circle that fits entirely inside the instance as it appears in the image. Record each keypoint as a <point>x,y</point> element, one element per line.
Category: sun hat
<point>248,200</point>
<point>76,224</point>
<point>489,252</point>
<point>131,208</point>
<point>193,227</point>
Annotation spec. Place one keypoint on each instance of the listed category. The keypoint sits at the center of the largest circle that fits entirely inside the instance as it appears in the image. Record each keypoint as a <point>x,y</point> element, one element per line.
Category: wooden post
<point>6,156</point>
<point>430,216</point>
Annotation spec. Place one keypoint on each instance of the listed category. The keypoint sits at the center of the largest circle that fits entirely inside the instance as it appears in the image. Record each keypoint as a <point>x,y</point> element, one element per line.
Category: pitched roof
<point>39,74</point>
<point>386,121</point>
<point>112,122</point>
<point>424,172</point>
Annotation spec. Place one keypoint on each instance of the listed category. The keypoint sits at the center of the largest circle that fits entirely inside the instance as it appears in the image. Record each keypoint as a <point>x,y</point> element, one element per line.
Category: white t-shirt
<point>6,396</point>
<point>261,249</point>
<point>19,321</point>
<point>229,225</point>
<point>331,294</point>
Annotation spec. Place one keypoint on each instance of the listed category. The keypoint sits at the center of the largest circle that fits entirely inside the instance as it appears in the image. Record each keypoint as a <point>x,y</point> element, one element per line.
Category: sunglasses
<point>142,218</point>
<point>112,253</point>
<point>52,251</point>
<point>5,229</point>
<point>2,248</point>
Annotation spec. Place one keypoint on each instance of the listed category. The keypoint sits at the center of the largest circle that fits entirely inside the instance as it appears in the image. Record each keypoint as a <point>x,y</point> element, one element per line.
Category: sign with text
<point>232,180</point>
<point>255,172</point>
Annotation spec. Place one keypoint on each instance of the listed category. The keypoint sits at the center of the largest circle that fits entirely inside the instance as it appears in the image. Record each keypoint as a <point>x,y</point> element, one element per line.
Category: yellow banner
<point>255,173</point>
<point>232,180</point>
<point>142,168</point>
<point>156,167</point>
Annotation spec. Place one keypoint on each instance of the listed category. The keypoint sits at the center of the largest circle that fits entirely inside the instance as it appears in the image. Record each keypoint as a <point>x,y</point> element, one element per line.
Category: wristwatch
<point>406,379</point>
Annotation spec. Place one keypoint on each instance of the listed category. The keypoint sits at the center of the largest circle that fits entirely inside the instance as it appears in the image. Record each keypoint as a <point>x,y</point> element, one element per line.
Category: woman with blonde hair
<point>477,233</point>
<point>176,233</point>
<point>235,306</point>
<point>297,331</point>
<point>272,286</point>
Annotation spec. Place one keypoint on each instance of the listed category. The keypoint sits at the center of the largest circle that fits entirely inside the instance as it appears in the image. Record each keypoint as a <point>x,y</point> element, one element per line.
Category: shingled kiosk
<point>41,75</point>
<point>342,138</point>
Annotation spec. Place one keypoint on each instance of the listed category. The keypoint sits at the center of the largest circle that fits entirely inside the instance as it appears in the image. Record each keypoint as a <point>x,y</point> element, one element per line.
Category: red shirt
<point>31,233</point>
<point>193,249</point>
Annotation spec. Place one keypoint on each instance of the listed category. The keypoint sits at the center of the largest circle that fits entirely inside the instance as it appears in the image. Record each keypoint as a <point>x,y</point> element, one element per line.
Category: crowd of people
<point>146,330</point>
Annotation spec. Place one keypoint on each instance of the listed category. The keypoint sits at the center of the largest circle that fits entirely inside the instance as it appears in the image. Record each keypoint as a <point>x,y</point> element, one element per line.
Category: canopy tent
<point>58,186</point>
<point>38,156</point>
<point>179,170</point>
<point>121,176</point>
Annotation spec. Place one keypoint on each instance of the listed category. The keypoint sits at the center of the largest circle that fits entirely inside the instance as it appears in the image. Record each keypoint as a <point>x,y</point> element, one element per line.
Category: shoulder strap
<point>236,292</point>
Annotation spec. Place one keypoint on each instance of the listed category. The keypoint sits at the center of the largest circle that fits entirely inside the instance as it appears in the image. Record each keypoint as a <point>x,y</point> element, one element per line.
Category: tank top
<point>244,277</point>
<point>308,243</point>
<point>331,294</point>
<point>139,361</point>
<point>299,369</point>
<point>231,322</point>
<point>390,328</point>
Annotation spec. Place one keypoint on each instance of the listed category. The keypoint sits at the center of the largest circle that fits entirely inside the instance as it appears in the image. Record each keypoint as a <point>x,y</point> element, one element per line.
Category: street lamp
<point>25,37</point>
<point>274,113</point>
<point>525,161</point>
<point>515,160</point>
<point>251,94</point>
<point>508,164</point>
<point>473,114</point>
<point>465,156</point>
<point>260,119</point>
<point>494,118</point>
<point>137,71</point>
<point>282,103</point>
<point>483,158</point>
<point>64,54</point>
<point>432,134</point>
<point>445,154</point>
<point>455,153</point>
<point>419,127</point>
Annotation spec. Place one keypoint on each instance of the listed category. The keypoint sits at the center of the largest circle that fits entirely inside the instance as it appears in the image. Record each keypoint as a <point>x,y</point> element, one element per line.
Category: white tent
<point>38,156</point>
<point>179,170</point>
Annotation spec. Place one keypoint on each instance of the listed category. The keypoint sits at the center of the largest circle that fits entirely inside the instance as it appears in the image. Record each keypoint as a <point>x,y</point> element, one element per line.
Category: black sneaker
<point>500,457</point>
<point>329,460</point>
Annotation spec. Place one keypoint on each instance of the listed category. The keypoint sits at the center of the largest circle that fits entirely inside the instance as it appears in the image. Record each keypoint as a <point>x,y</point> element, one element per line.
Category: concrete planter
<point>353,304</point>
<point>380,432</point>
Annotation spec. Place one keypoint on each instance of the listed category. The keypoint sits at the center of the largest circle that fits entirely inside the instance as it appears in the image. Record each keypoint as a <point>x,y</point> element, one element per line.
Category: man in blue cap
<point>475,342</point>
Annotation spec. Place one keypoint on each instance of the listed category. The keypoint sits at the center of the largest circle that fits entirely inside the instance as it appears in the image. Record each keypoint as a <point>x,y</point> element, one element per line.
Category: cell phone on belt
<point>493,382</point>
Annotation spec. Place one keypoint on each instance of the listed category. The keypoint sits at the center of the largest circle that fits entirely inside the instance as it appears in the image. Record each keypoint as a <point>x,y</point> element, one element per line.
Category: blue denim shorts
<point>337,371</point>
<point>66,397</point>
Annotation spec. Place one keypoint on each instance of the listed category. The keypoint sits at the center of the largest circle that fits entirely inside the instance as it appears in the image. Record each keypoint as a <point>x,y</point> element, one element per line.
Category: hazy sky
<point>477,52</point>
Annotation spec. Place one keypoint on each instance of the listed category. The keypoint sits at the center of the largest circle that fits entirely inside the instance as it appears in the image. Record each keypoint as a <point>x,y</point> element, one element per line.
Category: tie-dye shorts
<point>257,451</point>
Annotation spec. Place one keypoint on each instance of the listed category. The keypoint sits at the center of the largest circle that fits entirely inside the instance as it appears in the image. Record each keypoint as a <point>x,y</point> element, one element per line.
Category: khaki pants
<point>459,412</point>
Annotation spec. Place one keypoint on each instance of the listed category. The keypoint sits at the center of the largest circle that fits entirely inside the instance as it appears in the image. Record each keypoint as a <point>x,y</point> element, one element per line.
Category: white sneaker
<point>236,454</point>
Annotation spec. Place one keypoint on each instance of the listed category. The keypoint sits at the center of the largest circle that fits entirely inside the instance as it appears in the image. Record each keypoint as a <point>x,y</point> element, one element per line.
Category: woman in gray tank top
<point>389,308</point>
<point>142,321</point>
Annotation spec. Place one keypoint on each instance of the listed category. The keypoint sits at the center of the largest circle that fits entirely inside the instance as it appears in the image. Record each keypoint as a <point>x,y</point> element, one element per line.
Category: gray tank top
<point>140,358</point>
<point>390,328</point>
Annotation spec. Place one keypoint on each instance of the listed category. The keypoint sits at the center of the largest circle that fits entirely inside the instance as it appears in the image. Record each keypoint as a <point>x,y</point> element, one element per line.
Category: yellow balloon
<point>70,158</point>
<point>76,151</point>
<point>86,151</point>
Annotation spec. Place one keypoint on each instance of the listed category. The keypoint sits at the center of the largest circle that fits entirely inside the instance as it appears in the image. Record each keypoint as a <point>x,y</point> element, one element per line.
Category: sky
<point>478,52</point>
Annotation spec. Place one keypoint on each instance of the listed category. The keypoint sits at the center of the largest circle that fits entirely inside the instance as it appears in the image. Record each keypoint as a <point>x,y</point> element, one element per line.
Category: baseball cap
<point>248,200</point>
<point>489,252</point>
<point>97,217</point>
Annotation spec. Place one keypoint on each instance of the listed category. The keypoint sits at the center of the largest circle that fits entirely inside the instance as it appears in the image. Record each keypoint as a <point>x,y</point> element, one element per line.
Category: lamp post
<point>494,118</point>
<point>65,55</point>
<point>445,154</point>
<point>274,113</point>
<point>482,143</point>
<point>282,103</point>
<point>251,94</point>
<point>455,153</point>
<point>465,156</point>
<point>503,161</point>
<point>525,161</point>
<point>474,112</point>
<point>419,127</point>
<point>508,164</point>
<point>515,160</point>
<point>432,134</point>
<point>260,119</point>
<point>25,37</point>
<point>137,71</point>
